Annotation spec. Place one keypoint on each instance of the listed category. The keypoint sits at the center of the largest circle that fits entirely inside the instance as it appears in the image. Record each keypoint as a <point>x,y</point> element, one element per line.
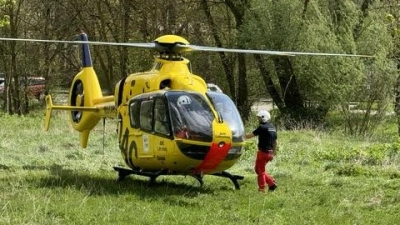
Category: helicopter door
<point>144,139</point>
<point>161,119</point>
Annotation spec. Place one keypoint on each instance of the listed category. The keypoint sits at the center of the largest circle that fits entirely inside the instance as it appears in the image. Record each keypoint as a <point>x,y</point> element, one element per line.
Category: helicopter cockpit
<point>184,115</point>
<point>191,116</point>
<point>227,111</point>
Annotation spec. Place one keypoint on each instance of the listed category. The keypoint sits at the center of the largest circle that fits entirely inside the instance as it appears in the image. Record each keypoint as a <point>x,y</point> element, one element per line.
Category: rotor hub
<point>171,46</point>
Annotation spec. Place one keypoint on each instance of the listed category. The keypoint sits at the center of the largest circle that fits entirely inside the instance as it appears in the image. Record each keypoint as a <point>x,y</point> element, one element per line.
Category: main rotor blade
<point>265,52</point>
<point>139,45</point>
<point>180,48</point>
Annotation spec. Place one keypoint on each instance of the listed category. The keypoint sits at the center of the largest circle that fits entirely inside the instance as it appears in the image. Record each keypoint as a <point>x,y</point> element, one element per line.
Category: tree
<point>238,92</point>
<point>305,88</point>
<point>392,17</point>
<point>14,103</point>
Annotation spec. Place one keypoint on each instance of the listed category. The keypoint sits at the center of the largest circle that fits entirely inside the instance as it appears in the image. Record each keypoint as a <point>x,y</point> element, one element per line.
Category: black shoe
<point>272,188</point>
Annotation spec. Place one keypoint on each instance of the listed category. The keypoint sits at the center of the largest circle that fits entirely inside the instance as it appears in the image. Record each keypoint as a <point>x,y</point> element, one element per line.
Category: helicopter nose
<point>217,154</point>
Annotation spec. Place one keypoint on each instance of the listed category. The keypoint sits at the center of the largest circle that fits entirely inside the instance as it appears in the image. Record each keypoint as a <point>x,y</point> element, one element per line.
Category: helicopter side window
<point>146,114</point>
<point>161,120</point>
<point>134,114</point>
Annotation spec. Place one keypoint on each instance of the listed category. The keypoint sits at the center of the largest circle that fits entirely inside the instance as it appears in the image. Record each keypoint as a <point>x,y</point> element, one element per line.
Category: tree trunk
<point>287,81</point>
<point>226,63</point>
<point>397,101</point>
<point>270,87</point>
<point>241,99</point>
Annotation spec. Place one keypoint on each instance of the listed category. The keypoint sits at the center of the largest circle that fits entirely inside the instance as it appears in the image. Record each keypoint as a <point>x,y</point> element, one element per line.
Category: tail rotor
<point>77,99</point>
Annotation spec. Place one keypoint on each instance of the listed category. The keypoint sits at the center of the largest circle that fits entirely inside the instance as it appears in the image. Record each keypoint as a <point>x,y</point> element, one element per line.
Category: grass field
<point>323,178</point>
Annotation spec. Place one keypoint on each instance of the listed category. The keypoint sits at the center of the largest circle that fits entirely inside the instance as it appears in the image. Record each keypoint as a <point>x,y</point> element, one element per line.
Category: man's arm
<point>249,135</point>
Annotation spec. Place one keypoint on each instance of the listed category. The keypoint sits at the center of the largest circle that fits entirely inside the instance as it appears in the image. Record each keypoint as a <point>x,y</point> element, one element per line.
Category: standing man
<point>267,142</point>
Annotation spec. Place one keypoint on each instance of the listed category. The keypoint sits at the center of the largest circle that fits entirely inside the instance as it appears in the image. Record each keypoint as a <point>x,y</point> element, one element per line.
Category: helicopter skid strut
<point>124,172</point>
<point>233,178</point>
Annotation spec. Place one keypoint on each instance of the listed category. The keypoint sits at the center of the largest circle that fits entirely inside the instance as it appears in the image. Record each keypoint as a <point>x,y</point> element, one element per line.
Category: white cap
<point>264,115</point>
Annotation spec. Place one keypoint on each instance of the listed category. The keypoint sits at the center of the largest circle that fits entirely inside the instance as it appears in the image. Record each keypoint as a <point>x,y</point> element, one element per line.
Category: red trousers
<point>263,177</point>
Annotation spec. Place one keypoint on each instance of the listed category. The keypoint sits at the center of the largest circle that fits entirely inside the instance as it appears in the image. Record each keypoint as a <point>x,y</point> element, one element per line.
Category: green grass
<point>323,178</point>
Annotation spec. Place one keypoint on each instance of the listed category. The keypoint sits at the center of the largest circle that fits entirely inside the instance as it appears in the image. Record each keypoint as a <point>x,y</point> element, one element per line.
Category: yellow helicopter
<point>169,123</point>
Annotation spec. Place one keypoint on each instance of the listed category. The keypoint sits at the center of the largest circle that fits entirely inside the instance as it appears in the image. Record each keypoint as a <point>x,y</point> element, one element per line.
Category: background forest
<point>304,89</point>
<point>325,176</point>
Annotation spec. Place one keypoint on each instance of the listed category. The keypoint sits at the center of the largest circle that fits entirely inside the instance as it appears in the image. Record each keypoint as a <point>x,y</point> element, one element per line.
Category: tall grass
<point>323,178</point>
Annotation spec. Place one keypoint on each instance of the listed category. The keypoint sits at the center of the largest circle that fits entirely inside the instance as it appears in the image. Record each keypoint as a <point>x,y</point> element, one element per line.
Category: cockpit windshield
<point>227,110</point>
<point>191,116</point>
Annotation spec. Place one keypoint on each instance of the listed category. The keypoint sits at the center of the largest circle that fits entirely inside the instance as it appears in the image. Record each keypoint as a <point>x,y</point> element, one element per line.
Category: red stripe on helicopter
<point>214,157</point>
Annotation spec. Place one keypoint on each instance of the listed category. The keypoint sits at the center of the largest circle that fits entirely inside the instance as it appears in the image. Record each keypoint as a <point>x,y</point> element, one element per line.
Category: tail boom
<point>103,108</point>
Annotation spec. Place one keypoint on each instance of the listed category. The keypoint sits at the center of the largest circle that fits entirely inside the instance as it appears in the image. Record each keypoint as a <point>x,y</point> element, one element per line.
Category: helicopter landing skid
<point>124,172</point>
<point>233,178</point>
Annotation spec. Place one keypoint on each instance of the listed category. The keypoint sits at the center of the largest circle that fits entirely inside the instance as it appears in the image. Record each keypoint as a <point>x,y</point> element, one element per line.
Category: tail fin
<point>86,57</point>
